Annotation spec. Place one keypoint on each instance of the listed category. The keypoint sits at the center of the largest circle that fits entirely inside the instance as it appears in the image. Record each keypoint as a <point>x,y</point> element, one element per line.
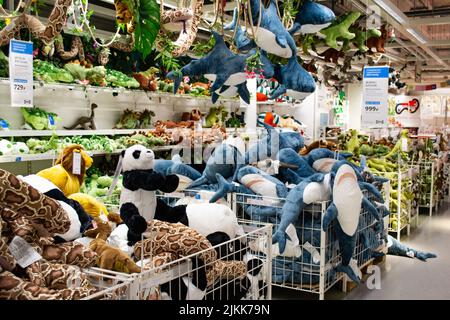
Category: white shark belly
<point>315,192</point>
<point>313,28</point>
<point>233,80</point>
<point>260,185</point>
<point>229,93</point>
<point>297,94</point>
<point>266,40</point>
<point>324,165</point>
<point>347,198</point>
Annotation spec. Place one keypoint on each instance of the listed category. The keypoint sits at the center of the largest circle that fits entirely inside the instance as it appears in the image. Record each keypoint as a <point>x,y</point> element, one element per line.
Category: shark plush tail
<point>349,272</point>
<point>200,181</point>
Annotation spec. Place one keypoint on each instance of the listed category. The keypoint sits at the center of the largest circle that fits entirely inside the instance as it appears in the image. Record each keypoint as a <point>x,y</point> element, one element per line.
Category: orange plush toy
<point>62,173</point>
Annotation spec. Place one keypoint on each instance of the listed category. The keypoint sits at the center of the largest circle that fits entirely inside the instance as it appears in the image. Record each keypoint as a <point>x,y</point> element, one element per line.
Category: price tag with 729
<point>19,87</point>
<point>372,108</point>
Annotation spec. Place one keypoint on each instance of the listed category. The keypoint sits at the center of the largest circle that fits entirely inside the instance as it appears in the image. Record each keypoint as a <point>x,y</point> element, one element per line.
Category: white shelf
<point>39,85</point>
<point>65,133</point>
<point>54,155</point>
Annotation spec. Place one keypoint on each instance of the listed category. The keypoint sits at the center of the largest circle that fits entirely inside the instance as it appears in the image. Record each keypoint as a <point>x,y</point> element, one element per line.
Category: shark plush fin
<point>372,189</point>
<point>214,97</point>
<point>329,216</point>
<point>281,40</point>
<point>219,40</point>
<point>224,188</point>
<point>281,238</point>
<point>423,256</point>
<point>243,92</point>
<point>371,208</point>
<point>220,80</point>
<point>318,177</point>
<point>223,89</point>
<point>349,272</point>
<point>232,25</point>
<point>296,26</point>
<point>177,77</point>
<point>200,181</point>
<point>278,92</point>
<point>380,179</point>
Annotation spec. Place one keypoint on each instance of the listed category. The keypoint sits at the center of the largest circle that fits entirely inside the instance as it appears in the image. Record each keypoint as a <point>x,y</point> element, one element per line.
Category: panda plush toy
<point>80,220</point>
<point>138,203</point>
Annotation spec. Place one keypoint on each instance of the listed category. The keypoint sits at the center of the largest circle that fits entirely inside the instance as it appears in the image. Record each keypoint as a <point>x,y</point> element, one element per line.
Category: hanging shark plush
<point>294,80</point>
<point>242,42</point>
<point>344,212</point>
<point>312,17</point>
<point>271,36</point>
<point>220,65</point>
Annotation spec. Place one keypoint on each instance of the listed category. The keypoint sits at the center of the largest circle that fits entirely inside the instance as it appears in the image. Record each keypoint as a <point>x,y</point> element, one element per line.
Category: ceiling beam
<point>432,21</point>
<point>410,44</point>
<point>399,20</point>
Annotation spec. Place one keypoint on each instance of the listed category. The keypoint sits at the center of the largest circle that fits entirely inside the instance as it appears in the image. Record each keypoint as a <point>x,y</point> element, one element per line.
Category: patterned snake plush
<point>190,18</point>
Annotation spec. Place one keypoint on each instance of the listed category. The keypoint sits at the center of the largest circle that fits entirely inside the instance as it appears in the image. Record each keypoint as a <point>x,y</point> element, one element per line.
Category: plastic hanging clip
<point>116,176</point>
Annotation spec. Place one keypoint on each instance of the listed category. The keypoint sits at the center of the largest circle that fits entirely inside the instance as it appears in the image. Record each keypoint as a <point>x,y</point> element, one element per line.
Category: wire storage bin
<point>427,191</point>
<point>240,270</point>
<point>311,267</point>
<point>110,285</point>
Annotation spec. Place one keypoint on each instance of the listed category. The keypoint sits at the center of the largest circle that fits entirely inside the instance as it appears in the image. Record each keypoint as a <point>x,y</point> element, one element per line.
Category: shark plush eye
<point>137,154</point>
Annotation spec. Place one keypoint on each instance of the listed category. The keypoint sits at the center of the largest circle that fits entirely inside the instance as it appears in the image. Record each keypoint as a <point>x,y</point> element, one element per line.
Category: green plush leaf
<point>147,26</point>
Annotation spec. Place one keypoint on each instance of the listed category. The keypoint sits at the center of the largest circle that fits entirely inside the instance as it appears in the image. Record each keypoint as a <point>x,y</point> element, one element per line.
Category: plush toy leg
<point>226,270</point>
<point>330,215</point>
<point>135,222</point>
<point>372,189</point>
<point>27,201</point>
<point>170,214</point>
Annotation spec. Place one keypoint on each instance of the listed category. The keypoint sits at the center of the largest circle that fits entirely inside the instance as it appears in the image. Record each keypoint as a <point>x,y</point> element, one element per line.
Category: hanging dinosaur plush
<point>360,39</point>
<point>340,30</point>
<point>271,35</point>
<point>220,65</point>
<point>294,81</point>
<point>312,17</point>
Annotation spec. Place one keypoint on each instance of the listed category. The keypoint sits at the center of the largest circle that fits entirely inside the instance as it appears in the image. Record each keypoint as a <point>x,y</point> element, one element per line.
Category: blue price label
<point>18,159</point>
<point>51,120</point>
<point>3,124</point>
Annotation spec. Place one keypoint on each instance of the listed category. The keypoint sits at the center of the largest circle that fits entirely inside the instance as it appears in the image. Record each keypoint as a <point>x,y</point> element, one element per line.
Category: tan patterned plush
<point>23,200</point>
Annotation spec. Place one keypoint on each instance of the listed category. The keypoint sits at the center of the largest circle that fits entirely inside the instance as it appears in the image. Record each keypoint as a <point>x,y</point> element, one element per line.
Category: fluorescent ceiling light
<point>416,35</point>
<point>389,9</point>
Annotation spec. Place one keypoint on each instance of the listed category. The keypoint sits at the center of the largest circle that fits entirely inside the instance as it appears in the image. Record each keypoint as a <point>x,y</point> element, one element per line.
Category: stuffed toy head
<point>65,159</point>
<point>137,157</point>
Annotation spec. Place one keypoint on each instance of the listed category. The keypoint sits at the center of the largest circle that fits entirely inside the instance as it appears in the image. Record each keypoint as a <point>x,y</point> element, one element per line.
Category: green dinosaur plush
<point>213,117</point>
<point>360,39</point>
<point>353,144</point>
<point>398,146</point>
<point>340,29</point>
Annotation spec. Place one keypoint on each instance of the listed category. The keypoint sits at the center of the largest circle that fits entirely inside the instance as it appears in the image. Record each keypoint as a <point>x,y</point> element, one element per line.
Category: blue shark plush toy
<point>312,17</point>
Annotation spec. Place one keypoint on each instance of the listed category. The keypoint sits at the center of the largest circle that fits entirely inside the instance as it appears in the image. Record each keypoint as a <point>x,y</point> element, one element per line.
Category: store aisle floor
<point>403,278</point>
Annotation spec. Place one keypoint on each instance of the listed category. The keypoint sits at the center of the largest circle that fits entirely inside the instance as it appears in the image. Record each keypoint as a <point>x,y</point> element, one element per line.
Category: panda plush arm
<point>149,180</point>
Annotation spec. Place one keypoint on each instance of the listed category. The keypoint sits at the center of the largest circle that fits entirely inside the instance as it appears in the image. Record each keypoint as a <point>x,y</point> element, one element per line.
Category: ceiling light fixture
<point>389,8</point>
<point>416,35</point>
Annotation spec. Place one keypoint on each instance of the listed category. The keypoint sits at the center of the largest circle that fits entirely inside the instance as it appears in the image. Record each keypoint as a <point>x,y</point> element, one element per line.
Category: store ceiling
<point>422,42</point>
